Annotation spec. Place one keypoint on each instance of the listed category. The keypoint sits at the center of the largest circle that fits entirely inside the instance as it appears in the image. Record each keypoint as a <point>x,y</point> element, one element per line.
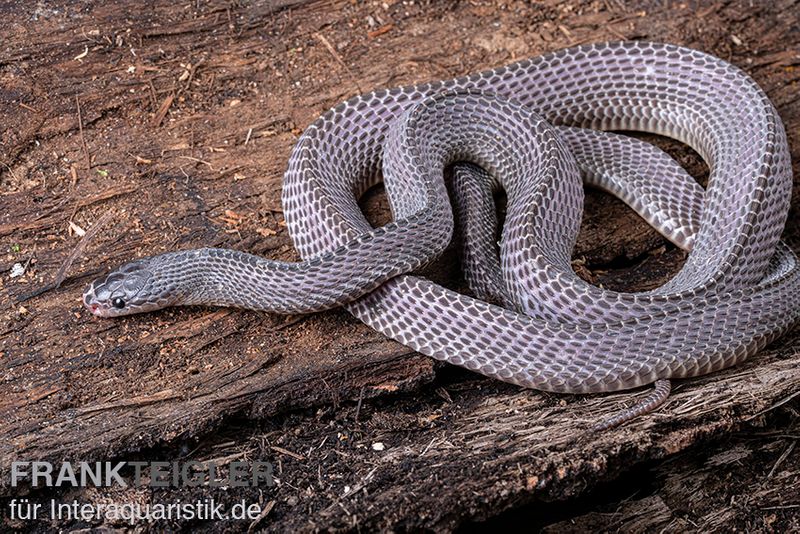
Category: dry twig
<point>83,139</point>
<point>79,248</point>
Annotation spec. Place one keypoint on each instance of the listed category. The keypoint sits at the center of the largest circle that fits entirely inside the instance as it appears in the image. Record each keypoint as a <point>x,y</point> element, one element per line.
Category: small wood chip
<point>267,509</point>
<point>380,31</point>
<point>287,452</point>
<point>77,230</point>
<point>162,111</point>
<point>29,108</point>
<point>233,215</point>
<point>81,55</point>
<point>266,232</point>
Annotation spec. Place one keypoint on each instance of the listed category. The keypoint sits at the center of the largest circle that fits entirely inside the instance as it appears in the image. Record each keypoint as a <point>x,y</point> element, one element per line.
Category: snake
<point>537,131</point>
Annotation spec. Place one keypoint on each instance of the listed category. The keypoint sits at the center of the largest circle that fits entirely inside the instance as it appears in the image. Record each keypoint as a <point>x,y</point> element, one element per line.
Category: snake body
<point>531,128</point>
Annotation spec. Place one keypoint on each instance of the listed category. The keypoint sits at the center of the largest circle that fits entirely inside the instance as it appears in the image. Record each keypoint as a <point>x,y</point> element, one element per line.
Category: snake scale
<point>534,129</point>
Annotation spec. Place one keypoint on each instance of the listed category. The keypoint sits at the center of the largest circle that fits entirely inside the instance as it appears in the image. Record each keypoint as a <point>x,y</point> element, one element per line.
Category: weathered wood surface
<point>188,113</point>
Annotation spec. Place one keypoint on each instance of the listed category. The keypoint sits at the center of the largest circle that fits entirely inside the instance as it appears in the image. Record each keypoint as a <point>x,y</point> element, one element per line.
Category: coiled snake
<point>533,321</point>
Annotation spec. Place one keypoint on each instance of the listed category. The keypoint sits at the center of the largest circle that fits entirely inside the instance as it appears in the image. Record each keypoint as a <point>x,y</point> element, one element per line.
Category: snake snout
<point>91,302</point>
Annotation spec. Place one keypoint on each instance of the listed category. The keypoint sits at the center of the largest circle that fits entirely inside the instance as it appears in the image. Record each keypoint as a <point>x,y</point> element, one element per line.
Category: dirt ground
<point>154,126</point>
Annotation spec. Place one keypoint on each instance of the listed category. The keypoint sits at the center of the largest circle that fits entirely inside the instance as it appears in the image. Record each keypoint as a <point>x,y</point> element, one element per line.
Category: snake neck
<point>214,276</point>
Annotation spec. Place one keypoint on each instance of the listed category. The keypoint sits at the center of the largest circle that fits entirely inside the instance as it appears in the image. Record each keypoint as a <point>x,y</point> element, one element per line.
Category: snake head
<point>124,291</point>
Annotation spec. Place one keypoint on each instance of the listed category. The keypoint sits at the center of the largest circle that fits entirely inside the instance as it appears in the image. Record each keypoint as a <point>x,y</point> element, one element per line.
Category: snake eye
<point>118,303</point>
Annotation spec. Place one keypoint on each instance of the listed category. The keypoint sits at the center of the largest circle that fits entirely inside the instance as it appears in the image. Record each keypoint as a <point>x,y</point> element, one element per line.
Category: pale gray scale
<point>711,151</point>
<point>737,290</point>
<point>644,177</point>
<point>476,218</point>
<point>691,265</point>
<point>686,342</point>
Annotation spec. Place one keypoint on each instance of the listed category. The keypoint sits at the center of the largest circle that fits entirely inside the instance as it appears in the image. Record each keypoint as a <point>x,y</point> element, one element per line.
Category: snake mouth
<point>98,309</point>
<point>94,307</point>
